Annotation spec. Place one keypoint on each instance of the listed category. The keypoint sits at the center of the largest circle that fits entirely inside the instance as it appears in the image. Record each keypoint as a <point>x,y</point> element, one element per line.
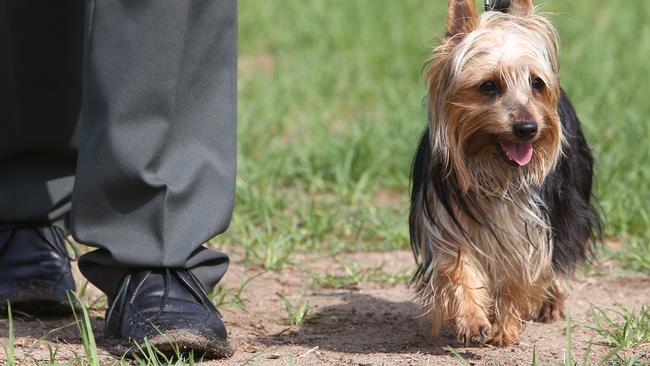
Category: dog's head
<point>493,89</point>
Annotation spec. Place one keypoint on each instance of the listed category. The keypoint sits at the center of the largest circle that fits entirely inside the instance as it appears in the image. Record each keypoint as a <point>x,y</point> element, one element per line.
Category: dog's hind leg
<point>516,302</point>
<point>553,306</point>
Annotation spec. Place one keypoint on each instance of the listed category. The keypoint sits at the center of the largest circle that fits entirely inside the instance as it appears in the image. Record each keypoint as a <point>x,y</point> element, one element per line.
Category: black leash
<point>497,5</point>
<point>488,5</point>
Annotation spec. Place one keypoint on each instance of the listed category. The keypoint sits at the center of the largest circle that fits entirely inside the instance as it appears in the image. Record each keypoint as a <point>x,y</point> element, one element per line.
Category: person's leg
<point>156,170</point>
<point>40,98</point>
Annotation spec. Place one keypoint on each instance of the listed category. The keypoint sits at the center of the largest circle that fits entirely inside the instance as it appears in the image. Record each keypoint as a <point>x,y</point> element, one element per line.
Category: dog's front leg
<point>462,298</point>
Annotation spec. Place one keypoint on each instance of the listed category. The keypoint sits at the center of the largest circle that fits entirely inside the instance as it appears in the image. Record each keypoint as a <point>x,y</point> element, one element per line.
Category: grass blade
<point>10,349</point>
<point>568,344</point>
<point>610,355</point>
<point>585,357</point>
<point>85,330</point>
<point>460,358</point>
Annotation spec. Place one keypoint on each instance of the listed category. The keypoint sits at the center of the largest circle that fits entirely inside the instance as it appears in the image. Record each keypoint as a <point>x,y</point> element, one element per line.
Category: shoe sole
<point>182,342</point>
<point>38,302</point>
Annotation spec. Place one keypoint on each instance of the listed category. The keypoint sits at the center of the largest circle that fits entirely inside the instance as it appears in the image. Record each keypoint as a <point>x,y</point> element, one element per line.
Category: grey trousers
<point>121,115</point>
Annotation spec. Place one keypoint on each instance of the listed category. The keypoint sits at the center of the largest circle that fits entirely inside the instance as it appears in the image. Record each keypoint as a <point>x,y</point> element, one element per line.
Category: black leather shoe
<point>171,309</point>
<point>35,273</point>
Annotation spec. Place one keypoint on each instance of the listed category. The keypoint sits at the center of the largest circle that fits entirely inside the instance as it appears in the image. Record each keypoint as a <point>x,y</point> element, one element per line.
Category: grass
<point>85,330</point>
<point>629,361</point>
<point>331,107</point>
<point>149,355</point>
<point>387,278</point>
<point>328,150</point>
<point>634,255</point>
<point>625,329</point>
<point>612,358</point>
<point>351,278</point>
<point>352,275</point>
<point>223,296</point>
<point>296,314</point>
<point>568,344</point>
<point>10,351</point>
<point>601,71</point>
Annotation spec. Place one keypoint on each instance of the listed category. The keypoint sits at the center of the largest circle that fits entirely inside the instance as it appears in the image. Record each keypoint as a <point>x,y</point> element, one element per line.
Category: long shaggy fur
<point>493,242</point>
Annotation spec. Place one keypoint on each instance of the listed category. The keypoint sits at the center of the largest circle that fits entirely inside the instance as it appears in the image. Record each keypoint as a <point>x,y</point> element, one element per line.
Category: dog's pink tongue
<point>520,153</point>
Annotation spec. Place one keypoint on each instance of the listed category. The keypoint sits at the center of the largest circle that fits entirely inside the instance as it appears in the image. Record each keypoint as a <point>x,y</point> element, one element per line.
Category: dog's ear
<point>520,7</point>
<point>461,17</point>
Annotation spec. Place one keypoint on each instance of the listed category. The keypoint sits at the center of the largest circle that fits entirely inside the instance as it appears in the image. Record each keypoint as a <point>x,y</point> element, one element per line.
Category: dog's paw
<point>473,329</point>
<point>551,310</point>
<point>501,339</point>
<point>506,331</point>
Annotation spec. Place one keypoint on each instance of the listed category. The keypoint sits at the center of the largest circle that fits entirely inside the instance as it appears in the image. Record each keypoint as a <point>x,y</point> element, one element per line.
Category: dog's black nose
<point>525,130</point>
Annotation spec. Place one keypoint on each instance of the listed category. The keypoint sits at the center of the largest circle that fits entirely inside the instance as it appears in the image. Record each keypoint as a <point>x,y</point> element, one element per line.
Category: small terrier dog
<point>501,210</point>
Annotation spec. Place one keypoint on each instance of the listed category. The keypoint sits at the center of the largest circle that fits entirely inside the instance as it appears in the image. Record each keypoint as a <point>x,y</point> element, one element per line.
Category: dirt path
<point>371,324</point>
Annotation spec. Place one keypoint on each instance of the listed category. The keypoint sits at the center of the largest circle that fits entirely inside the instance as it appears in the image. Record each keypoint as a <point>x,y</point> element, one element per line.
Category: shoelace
<point>60,241</point>
<point>167,280</point>
<point>57,243</point>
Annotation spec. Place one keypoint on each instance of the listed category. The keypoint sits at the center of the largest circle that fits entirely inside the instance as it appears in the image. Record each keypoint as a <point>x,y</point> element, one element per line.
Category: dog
<point>501,204</point>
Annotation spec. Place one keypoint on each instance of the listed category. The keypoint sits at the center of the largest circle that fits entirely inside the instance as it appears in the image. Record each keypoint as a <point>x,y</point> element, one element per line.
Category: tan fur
<point>521,7</point>
<point>553,306</point>
<point>512,49</point>
<point>461,294</point>
<point>506,280</point>
<point>460,16</point>
<point>477,278</point>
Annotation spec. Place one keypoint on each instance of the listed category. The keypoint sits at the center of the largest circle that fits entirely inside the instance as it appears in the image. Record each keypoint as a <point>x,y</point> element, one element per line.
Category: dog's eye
<point>489,87</point>
<point>537,84</point>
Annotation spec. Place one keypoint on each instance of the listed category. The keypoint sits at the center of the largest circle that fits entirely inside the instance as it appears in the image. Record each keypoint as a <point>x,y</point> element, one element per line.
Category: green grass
<point>85,330</point>
<point>635,255</point>
<point>612,358</point>
<point>624,329</point>
<point>149,355</point>
<point>388,278</point>
<point>604,72</point>
<point>297,314</point>
<point>331,107</point>
<point>352,275</point>
<point>9,348</point>
<point>224,297</point>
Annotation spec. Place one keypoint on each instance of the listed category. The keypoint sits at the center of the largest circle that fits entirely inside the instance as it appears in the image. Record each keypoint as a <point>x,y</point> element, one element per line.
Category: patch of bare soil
<point>371,324</point>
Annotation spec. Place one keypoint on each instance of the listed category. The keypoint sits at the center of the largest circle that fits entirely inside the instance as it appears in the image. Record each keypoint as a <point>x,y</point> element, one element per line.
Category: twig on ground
<point>308,352</point>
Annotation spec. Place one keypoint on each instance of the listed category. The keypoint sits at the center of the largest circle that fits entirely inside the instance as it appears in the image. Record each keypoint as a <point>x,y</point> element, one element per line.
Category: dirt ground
<point>370,324</point>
